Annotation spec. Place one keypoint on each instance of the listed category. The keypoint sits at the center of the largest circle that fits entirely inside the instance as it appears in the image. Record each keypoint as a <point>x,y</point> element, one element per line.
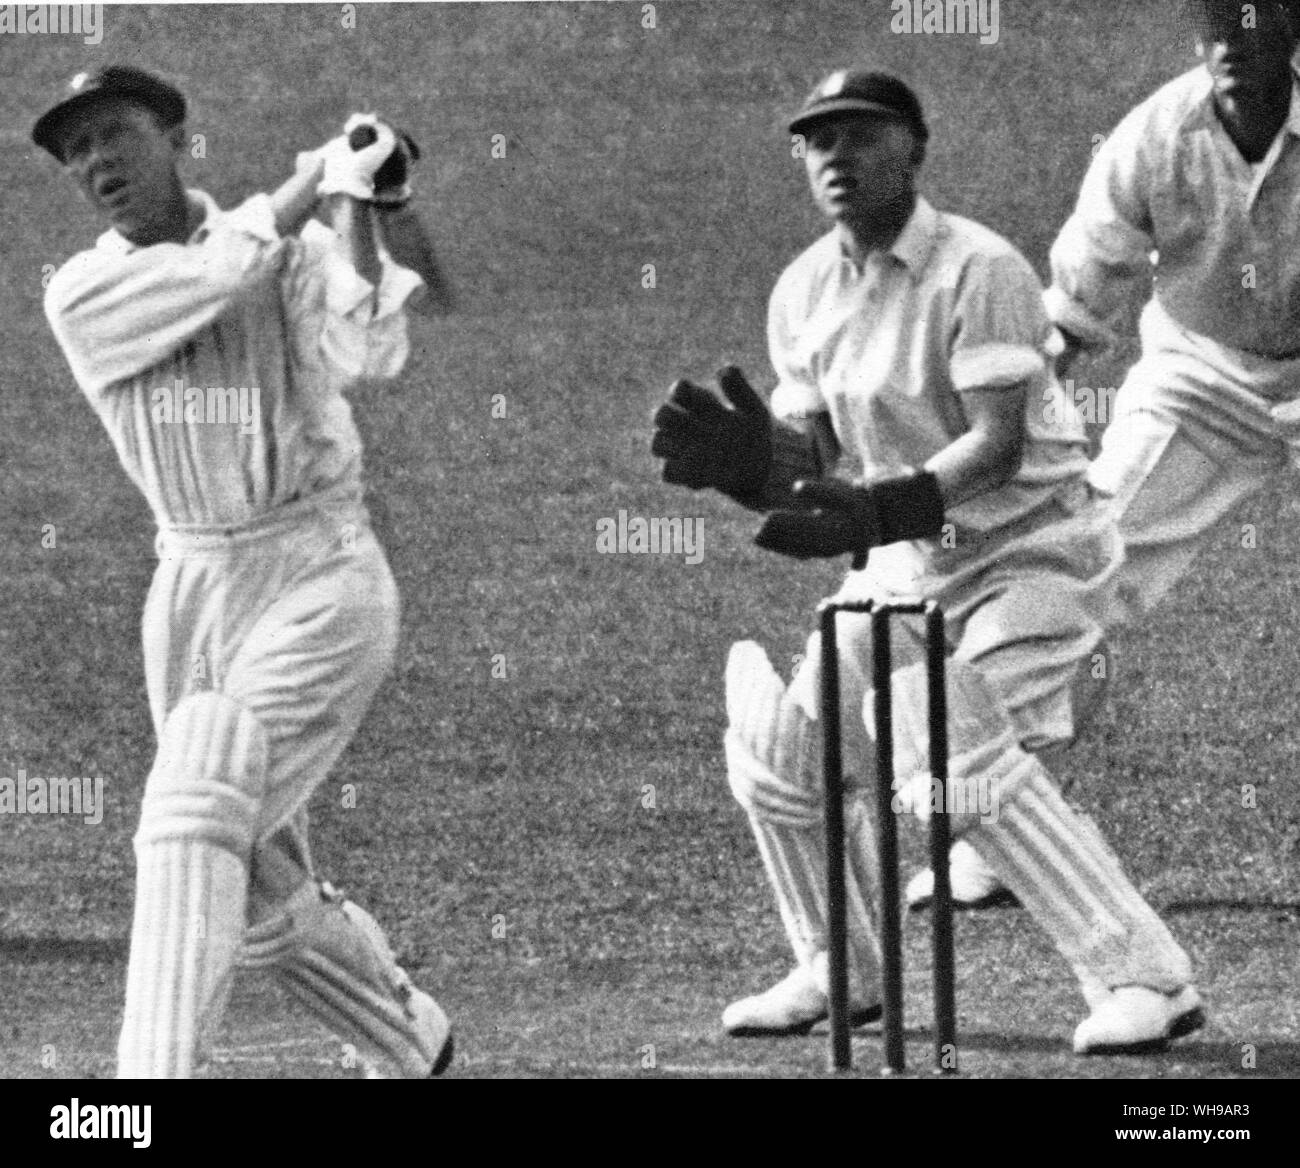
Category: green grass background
<point>520,799</point>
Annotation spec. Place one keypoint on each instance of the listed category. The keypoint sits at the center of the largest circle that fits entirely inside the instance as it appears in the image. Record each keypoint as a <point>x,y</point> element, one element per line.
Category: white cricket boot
<point>1136,1020</point>
<point>793,1006</point>
<point>974,884</point>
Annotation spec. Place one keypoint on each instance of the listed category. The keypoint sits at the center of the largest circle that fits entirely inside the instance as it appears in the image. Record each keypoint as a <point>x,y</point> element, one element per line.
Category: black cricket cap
<point>113,81</point>
<point>861,91</point>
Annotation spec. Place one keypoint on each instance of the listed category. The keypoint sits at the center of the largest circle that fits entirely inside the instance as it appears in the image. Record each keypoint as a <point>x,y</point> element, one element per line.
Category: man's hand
<point>392,187</point>
<point>352,172</point>
<point>837,517</point>
<point>833,518</point>
<point>705,443</point>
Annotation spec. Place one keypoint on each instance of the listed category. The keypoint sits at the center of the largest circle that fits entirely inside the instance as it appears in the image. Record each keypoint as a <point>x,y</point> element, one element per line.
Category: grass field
<point>573,921</point>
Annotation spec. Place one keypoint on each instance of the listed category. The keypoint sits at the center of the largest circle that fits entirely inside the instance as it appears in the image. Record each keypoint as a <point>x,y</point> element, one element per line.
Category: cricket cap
<point>861,91</point>
<point>113,81</point>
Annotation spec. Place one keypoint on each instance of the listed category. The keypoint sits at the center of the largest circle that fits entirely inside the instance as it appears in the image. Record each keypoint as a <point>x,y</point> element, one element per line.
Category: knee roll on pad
<point>208,778</point>
<point>773,748</point>
<point>197,822</point>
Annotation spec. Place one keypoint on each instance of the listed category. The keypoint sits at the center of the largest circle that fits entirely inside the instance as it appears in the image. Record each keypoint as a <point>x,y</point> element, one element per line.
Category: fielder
<point>272,616</point>
<point>1198,187</point>
<point>911,341</point>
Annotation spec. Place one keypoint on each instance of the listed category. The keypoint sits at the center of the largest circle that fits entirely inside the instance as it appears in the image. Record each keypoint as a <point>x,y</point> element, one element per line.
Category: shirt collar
<point>112,240</point>
<point>915,242</point>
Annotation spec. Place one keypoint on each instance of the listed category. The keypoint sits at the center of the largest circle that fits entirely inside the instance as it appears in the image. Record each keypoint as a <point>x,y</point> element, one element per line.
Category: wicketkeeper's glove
<point>706,443</point>
<point>838,517</point>
<point>392,185</point>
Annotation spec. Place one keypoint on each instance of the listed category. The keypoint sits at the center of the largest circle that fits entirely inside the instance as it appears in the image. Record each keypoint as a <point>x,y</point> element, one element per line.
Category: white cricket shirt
<point>889,351</point>
<point>1226,234</point>
<point>218,365</point>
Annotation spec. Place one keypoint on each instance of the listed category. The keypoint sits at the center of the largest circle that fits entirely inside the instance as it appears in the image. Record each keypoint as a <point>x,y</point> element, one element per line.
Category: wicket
<point>945,1020</point>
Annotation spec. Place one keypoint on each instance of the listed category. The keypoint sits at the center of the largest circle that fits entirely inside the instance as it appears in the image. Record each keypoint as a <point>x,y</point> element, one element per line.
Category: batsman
<point>272,617</point>
<point>916,426</point>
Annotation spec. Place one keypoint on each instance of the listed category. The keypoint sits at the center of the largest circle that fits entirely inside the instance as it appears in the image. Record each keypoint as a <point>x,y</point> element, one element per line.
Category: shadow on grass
<point>35,950</point>
<point>1221,904</point>
<point>1273,1057</point>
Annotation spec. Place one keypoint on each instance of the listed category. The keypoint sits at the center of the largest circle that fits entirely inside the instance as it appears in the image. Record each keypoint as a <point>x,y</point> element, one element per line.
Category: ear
<point>176,137</point>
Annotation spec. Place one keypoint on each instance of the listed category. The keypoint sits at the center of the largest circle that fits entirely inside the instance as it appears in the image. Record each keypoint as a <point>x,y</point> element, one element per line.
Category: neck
<point>175,223</point>
<point>861,237</point>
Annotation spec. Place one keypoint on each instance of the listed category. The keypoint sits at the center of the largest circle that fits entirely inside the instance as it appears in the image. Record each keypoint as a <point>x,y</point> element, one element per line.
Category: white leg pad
<point>192,851</point>
<point>332,956</point>
<point>774,767</point>
<point>1051,857</point>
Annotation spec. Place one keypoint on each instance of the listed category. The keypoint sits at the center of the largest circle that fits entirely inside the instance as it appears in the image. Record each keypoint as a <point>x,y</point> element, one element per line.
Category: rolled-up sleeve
<point>357,331</point>
<point>999,328</point>
<point>1101,261</point>
<point>797,394</point>
<point>118,312</point>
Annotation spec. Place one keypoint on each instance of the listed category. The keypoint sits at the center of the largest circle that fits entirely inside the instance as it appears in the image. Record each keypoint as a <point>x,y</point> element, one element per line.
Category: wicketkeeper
<point>914,343</point>
<point>272,617</point>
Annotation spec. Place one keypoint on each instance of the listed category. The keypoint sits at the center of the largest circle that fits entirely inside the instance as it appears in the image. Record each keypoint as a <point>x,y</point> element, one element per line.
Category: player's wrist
<point>907,507</point>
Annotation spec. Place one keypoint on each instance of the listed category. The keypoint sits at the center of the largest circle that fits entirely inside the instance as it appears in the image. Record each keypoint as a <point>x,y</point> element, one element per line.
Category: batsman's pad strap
<point>909,507</point>
<point>795,456</point>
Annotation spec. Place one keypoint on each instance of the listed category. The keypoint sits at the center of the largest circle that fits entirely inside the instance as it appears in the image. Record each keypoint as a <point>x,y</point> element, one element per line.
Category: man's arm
<point>1101,261</point>
<point>408,243</point>
<point>294,201</point>
<point>988,455</point>
<point>117,315</point>
<point>354,224</point>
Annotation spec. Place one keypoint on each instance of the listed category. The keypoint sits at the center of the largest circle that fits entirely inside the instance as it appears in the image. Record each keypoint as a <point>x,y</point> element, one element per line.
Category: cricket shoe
<point>1137,1020</point>
<point>793,1006</point>
<point>974,884</point>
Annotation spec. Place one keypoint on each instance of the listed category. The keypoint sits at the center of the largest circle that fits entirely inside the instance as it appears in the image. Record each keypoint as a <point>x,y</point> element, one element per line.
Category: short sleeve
<point>796,394</point>
<point>1000,329</point>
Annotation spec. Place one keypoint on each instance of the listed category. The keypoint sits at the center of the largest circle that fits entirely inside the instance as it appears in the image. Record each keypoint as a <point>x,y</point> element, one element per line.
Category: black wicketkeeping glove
<point>706,443</point>
<point>837,517</point>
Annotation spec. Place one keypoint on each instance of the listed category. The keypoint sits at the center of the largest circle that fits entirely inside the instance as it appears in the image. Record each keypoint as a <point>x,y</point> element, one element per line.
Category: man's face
<point>1251,66</point>
<point>861,165</point>
<point>125,165</point>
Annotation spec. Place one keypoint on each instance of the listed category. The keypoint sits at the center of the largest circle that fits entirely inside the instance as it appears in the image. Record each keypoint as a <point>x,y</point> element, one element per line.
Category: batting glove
<point>706,443</point>
<point>352,172</point>
<point>391,180</point>
<point>838,518</point>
